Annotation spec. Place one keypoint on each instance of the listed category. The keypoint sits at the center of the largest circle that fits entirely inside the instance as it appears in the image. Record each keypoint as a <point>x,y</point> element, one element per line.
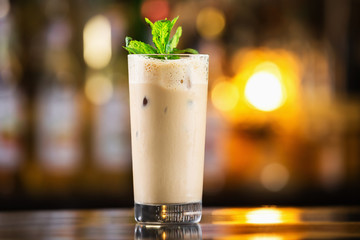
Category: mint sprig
<point>137,47</point>
<point>160,31</point>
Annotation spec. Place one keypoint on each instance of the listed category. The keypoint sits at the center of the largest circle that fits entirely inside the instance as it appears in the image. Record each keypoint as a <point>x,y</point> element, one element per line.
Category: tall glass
<point>168,96</point>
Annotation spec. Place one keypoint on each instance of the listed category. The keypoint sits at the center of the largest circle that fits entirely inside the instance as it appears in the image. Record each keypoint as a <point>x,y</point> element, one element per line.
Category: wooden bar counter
<point>266,223</point>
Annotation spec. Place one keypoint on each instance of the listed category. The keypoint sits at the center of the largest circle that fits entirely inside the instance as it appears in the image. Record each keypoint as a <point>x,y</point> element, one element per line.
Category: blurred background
<point>283,124</point>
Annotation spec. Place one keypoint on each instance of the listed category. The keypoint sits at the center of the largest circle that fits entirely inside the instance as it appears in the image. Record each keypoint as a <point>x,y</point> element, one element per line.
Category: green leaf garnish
<point>137,47</point>
<point>186,50</point>
<point>160,31</point>
<point>174,40</point>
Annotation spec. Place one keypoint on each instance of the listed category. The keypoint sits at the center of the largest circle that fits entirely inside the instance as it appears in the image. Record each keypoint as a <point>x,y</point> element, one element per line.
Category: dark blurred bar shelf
<point>267,222</point>
<point>283,100</point>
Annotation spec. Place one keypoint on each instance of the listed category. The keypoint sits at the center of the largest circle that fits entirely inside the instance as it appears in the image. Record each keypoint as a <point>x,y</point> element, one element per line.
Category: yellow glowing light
<point>210,22</point>
<point>4,8</point>
<point>262,104</point>
<point>264,216</point>
<point>263,90</point>
<point>98,89</point>
<point>267,237</point>
<point>153,226</point>
<point>269,67</point>
<point>163,211</point>
<point>274,177</point>
<point>225,96</point>
<point>97,42</point>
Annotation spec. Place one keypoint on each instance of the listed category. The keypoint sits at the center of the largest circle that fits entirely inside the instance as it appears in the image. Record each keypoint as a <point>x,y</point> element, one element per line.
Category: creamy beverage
<point>168,115</point>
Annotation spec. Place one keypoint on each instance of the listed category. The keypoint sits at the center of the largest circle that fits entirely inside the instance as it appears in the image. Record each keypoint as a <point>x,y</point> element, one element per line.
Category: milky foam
<point>173,74</point>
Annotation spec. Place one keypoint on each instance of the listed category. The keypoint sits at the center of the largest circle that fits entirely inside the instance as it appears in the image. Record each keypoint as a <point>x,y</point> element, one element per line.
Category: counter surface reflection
<point>268,222</point>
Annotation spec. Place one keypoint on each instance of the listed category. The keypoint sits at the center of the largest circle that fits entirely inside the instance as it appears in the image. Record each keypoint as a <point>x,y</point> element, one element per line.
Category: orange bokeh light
<point>280,68</point>
<point>263,215</point>
<point>155,9</point>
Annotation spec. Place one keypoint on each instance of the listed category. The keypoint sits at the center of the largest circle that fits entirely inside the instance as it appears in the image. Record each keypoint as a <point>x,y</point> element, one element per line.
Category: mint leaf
<point>132,50</point>
<point>186,50</point>
<point>137,47</point>
<point>127,41</point>
<point>160,31</point>
<point>173,22</point>
<point>149,22</point>
<point>174,40</point>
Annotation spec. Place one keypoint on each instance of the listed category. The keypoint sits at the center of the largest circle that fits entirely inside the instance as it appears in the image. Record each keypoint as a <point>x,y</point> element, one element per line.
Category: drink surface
<point>168,113</point>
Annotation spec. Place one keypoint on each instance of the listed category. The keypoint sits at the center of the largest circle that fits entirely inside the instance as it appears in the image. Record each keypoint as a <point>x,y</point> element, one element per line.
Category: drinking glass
<point>168,97</point>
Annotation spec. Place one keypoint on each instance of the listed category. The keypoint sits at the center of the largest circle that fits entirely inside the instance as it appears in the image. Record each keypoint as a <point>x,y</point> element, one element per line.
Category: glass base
<point>168,231</point>
<point>168,213</point>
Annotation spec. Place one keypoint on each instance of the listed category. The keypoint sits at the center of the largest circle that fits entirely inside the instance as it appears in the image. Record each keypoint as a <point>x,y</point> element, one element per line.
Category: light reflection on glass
<point>171,231</point>
<point>163,211</point>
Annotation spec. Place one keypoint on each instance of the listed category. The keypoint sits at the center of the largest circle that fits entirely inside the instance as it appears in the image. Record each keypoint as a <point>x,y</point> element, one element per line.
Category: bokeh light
<point>155,9</point>
<point>264,91</point>
<point>269,67</point>
<point>4,8</point>
<point>210,22</point>
<point>98,88</point>
<point>264,216</point>
<point>266,237</point>
<point>225,96</point>
<point>97,42</point>
<point>274,177</point>
<point>268,82</point>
